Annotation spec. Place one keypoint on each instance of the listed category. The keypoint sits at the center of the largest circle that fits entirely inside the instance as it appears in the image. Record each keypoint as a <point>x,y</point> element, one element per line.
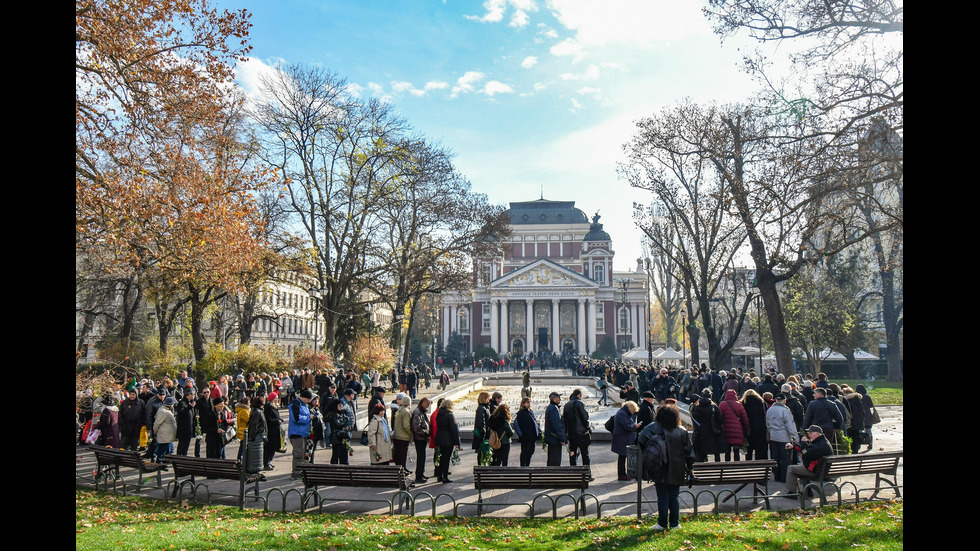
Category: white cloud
<point>588,90</point>
<point>539,86</point>
<point>568,47</point>
<point>592,73</point>
<point>529,61</point>
<point>576,105</point>
<point>495,87</point>
<point>466,82</point>
<point>637,22</point>
<point>494,12</point>
<point>436,85</point>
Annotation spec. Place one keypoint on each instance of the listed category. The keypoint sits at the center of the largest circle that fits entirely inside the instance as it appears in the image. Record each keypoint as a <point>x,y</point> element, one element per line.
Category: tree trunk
<point>893,326</point>
<point>852,365</point>
<point>774,315</point>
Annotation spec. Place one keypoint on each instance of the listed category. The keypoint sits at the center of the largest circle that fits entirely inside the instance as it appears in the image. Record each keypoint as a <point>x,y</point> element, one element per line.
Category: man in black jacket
<point>645,415</point>
<point>629,394</point>
<point>131,419</point>
<point>577,428</point>
<point>812,448</point>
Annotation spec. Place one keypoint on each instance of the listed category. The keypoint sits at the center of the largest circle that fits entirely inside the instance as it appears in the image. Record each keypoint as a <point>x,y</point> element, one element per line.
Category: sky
<point>535,97</point>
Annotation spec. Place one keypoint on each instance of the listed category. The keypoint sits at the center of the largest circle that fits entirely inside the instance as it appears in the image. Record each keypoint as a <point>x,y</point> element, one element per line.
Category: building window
<point>464,321</point>
<point>624,320</point>
<point>600,316</point>
<point>599,273</point>
<point>486,317</point>
<point>485,272</point>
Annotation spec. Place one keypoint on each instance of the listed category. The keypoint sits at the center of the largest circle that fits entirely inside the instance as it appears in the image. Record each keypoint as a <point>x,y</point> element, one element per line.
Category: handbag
<point>93,435</point>
<point>364,438</point>
<point>875,418</point>
<point>143,438</point>
<point>228,435</point>
<point>494,440</point>
<point>610,424</point>
<point>282,440</point>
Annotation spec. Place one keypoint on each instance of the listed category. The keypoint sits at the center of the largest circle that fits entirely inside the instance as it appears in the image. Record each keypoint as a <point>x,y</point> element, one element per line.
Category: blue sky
<point>532,95</point>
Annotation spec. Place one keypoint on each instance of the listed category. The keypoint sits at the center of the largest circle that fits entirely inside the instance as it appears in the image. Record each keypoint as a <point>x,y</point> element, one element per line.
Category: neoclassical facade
<point>553,289</point>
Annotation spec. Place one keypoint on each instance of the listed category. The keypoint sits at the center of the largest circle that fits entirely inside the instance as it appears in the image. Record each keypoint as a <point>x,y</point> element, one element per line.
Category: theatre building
<point>555,288</point>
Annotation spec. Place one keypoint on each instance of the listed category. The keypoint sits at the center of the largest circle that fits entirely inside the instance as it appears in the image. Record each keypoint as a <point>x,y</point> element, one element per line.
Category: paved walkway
<point>606,487</point>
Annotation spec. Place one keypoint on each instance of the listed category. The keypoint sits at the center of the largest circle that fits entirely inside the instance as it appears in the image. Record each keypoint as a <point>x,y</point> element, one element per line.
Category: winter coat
<point>576,422</point>
<point>707,419</point>
<point>868,405</point>
<point>480,424</point>
<point>857,410</point>
<point>380,441</point>
<point>734,421</point>
<point>340,425</point>
<point>797,409</point>
<point>824,414</point>
<point>165,426</point>
<point>527,425</point>
<point>109,427</point>
<point>680,453</point>
<point>402,424</point>
<point>186,416</point>
<point>447,430</point>
<point>554,427</point>
<point>131,417</point>
<point>242,414</point>
<point>421,428</point>
<point>755,410</point>
<point>624,429</point>
<point>299,419</point>
<point>273,422</point>
<point>258,430</point>
<point>780,424</point>
<point>502,427</point>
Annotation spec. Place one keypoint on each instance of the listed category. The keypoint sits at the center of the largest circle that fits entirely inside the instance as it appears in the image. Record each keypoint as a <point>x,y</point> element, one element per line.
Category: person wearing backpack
<point>676,471</point>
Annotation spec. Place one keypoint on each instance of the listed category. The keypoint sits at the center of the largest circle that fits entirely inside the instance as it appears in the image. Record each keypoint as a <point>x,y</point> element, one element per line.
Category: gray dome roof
<point>596,232</point>
<point>543,211</point>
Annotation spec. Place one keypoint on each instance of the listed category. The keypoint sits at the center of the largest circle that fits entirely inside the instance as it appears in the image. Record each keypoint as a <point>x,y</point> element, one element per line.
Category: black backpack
<point>654,456</point>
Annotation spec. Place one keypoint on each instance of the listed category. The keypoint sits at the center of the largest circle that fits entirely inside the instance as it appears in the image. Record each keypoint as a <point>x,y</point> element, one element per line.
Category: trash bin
<point>633,464</point>
<point>254,457</point>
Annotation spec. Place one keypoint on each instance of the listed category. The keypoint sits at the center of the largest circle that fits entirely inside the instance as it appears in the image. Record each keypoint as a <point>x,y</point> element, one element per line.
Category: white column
<point>580,326</point>
<point>445,325</point>
<point>494,332</point>
<point>505,327</point>
<point>590,325</point>
<point>641,326</point>
<point>634,319</point>
<point>555,334</point>
<point>529,342</point>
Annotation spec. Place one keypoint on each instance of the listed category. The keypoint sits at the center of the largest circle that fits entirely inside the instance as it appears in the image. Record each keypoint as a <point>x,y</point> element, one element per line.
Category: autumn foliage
<point>162,177</point>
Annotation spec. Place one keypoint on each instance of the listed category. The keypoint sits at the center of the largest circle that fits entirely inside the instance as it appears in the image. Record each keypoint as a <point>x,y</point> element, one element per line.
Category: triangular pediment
<point>543,273</point>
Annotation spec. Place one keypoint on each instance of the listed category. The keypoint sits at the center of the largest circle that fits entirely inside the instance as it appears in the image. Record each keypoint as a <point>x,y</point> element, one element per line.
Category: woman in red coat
<point>734,423</point>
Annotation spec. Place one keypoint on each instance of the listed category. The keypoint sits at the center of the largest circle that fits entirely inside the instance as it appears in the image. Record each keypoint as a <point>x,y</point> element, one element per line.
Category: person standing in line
<point>273,422</point>
<point>379,437</point>
<point>131,419</point>
<point>165,429</point>
<point>528,431</point>
<point>624,431</point>
<point>500,423</point>
<point>579,431</point>
<point>402,432</point>
<point>446,438</point>
<point>480,431</point>
<point>680,459</point>
<point>299,429</point>
<point>554,430</point>
<point>735,424</point>
<point>340,427</point>
<point>187,427</point>
<point>421,429</point>
<point>782,431</point>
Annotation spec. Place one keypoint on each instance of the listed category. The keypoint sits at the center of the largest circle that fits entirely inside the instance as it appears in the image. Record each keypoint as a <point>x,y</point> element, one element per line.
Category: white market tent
<point>637,355</point>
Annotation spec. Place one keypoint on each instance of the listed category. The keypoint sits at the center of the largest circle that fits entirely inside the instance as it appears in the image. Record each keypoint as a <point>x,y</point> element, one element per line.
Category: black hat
<point>553,394</point>
<point>648,394</point>
<point>815,428</point>
<point>306,393</point>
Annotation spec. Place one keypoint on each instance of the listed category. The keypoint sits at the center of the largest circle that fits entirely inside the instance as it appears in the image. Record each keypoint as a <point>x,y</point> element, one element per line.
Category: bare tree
<point>338,159</point>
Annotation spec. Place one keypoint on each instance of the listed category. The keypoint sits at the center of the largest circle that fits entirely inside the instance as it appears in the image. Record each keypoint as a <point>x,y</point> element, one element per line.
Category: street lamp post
<point>624,284</point>
<point>649,328</point>
<point>684,336</point>
<point>316,295</point>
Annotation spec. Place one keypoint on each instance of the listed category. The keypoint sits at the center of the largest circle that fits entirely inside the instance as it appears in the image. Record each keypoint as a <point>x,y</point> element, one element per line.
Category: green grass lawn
<point>108,521</point>
<point>881,392</point>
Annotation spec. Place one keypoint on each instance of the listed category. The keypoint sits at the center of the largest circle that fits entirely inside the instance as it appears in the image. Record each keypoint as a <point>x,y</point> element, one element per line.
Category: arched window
<point>624,320</point>
<point>464,320</point>
<point>598,273</point>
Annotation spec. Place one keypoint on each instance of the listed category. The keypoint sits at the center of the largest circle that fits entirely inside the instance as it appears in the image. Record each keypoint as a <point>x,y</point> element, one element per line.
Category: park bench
<point>880,464</point>
<point>354,476</point>
<point>573,477</point>
<point>108,461</point>
<point>719,473</point>
<point>221,469</point>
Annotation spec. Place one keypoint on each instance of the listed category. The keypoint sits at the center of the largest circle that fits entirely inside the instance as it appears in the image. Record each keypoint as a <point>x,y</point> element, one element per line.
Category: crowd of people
<point>794,420</point>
